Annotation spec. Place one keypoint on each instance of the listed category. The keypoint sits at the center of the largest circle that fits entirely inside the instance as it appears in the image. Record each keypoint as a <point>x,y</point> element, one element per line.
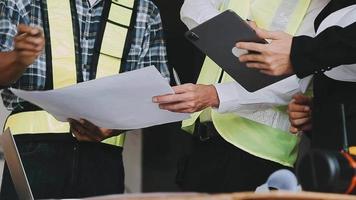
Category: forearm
<point>10,68</point>
<point>331,48</point>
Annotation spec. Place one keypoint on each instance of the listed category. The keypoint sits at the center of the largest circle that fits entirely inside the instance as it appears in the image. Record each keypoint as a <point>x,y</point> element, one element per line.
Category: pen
<point>176,77</point>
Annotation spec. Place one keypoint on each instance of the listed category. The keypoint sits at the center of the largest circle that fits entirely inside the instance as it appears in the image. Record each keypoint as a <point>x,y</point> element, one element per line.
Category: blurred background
<point>164,145</point>
<point>151,158</point>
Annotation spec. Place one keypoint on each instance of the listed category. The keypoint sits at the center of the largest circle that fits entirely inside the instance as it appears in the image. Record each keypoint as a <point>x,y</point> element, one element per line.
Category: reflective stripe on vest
<point>253,137</point>
<point>64,63</point>
<point>62,43</point>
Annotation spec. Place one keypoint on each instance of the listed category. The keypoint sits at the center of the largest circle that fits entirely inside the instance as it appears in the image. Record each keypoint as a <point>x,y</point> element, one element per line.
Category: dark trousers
<point>216,166</point>
<point>58,166</point>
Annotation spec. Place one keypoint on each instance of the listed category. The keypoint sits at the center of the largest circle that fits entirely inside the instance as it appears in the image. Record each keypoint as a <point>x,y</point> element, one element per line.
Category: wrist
<point>214,97</point>
<point>13,58</point>
<point>10,69</point>
<point>17,60</point>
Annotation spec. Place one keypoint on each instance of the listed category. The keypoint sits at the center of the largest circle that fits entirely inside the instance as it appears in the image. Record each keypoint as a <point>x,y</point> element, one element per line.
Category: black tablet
<point>217,38</point>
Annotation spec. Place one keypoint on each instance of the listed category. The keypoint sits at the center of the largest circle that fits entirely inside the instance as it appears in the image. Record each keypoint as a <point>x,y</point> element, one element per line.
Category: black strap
<point>205,131</point>
<point>25,107</point>
<point>130,36</point>
<point>221,76</point>
<point>116,2</point>
<point>48,50</point>
<point>99,38</point>
<point>76,35</point>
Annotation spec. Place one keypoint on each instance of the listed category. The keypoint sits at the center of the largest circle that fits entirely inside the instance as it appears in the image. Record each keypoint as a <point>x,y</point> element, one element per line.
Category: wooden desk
<point>234,196</point>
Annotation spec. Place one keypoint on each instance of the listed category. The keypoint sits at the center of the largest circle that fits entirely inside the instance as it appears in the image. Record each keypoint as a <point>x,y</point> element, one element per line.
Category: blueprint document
<point>122,101</point>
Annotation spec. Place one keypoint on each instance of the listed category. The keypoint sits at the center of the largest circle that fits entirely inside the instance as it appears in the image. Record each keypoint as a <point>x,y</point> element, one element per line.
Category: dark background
<point>164,145</point>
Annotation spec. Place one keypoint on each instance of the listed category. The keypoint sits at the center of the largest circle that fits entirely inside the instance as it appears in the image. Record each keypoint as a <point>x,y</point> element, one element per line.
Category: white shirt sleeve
<point>195,12</point>
<point>234,98</point>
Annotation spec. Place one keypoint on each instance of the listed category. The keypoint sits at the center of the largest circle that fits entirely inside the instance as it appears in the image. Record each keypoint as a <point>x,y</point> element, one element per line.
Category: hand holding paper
<point>121,101</point>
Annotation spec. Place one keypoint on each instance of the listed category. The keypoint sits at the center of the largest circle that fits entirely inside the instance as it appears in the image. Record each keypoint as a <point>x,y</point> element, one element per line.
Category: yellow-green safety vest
<point>255,138</point>
<point>117,18</point>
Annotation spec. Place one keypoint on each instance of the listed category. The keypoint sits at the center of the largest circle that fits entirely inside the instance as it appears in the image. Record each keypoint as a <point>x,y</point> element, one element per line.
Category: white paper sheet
<point>122,101</point>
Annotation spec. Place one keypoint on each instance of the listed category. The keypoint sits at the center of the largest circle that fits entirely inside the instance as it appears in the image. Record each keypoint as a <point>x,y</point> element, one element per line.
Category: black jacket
<point>333,47</point>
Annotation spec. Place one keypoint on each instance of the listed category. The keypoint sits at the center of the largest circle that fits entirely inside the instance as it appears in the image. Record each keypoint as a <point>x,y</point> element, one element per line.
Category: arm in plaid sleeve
<point>27,43</point>
<point>9,19</point>
<point>157,50</point>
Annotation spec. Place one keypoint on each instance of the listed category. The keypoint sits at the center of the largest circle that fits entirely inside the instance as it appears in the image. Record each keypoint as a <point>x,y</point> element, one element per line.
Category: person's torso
<point>89,19</point>
<point>35,76</point>
<point>270,116</point>
<point>328,95</point>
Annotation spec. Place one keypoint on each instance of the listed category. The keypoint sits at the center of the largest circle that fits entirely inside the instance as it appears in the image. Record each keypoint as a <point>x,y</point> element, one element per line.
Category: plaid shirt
<point>147,48</point>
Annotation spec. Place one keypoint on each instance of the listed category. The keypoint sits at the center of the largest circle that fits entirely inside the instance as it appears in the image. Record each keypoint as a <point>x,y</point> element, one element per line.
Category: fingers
<point>21,28</point>
<point>77,126</point>
<point>299,115</point>
<point>293,130</point>
<point>26,53</point>
<point>33,31</point>
<point>299,110</point>
<point>28,47</point>
<point>79,131</point>
<point>251,46</point>
<point>299,118</point>
<point>302,99</point>
<point>304,128</point>
<point>29,44</point>
<point>165,99</point>
<point>93,131</point>
<point>88,125</point>
<point>183,107</point>
<point>189,98</point>
<point>300,122</point>
<point>36,41</point>
<point>175,98</point>
<point>82,137</point>
<point>29,39</point>
<point>260,66</point>
<point>181,94</point>
<point>83,130</point>
<point>252,57</point>
<point>294,107</point>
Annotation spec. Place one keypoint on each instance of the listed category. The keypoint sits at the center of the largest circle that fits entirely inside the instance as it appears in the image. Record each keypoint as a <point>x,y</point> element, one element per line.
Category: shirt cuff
<point>190,23</point>
<point>234,98</point>
<point>302,56</point>
<point>227,96</point>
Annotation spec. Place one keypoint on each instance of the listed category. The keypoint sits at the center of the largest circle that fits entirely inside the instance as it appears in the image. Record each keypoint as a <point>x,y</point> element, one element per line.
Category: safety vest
<point>61,27</point>
<point>255,138</point>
